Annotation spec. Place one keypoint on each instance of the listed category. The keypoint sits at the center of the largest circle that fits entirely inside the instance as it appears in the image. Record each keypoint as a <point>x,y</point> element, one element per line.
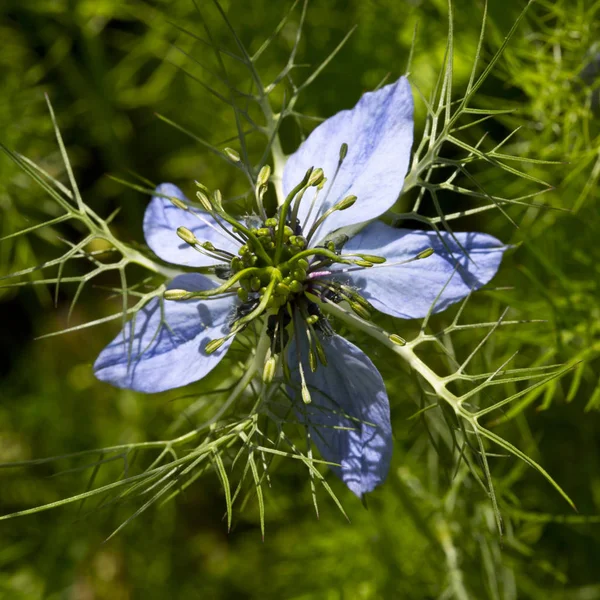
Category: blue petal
<point>165,353</point>
<point>348,393</point>
<point>408,291</point>
<point>161,220</point>
<point>379,134</point>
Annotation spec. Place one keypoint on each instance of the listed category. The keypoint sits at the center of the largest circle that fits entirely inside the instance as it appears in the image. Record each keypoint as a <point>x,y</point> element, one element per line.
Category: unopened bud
<point>426,253</point>
<point>396,339</point>
<point>232,154</point>
<point>214,345</point>
<point>208,246</point>
<point>347,202</point>
<point>271,222</point>
<point>187,236</point>
<point>363,263</point>
<point>263,176</point>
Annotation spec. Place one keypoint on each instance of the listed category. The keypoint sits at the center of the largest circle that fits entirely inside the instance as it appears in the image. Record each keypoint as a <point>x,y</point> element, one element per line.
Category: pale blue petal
<point>157,352</point>
<point>379,134</point>
<point>408,291</point>
<point>161,220</point>
<point>348,393</point>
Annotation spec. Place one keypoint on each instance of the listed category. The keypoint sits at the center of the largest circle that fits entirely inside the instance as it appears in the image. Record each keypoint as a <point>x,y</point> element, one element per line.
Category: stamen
<point>283,213</point>
<point>176,294</point>
<point>269,369</point>
<point>344,204</point>
<point>304,388</point>
<point>232,154</point>
<point>343,154</point>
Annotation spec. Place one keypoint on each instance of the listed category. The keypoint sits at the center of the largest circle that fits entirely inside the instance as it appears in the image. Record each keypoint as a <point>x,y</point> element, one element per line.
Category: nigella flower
<point>282,268</point>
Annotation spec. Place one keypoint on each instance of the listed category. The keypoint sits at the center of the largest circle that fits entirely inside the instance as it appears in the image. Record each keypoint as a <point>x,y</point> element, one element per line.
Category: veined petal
<point>162,347</point>
<point>161,220</point>
<point>409,290</point>
<point>349,415</point>
<point>379,135</point>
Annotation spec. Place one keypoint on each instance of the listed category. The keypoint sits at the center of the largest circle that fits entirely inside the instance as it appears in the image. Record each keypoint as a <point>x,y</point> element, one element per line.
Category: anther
<point>377,260</point>
<point>269,369</point>
<point>214,345</point>
<point>361,311</point>
<point>179,204</point>
<point>263,175</point>
<point>426,253</point>
<point>218,200</point>
<point>232,154</point>
<point>396,339</point>
<point>316,177</point>
<point>343,151</point>
<point>176,294</point>
<point>187,236</point>
<point>203,198</point>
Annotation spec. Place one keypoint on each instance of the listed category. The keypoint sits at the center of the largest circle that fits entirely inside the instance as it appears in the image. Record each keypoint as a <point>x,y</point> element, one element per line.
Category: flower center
<point>277,270</point>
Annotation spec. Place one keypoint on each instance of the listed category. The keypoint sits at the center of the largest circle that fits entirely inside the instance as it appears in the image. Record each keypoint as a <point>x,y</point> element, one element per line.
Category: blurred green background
<point>108,67</point>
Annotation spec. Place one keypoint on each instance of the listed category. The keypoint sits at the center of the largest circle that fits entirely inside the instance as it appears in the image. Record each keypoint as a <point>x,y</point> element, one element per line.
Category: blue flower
<point>349,171</point>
